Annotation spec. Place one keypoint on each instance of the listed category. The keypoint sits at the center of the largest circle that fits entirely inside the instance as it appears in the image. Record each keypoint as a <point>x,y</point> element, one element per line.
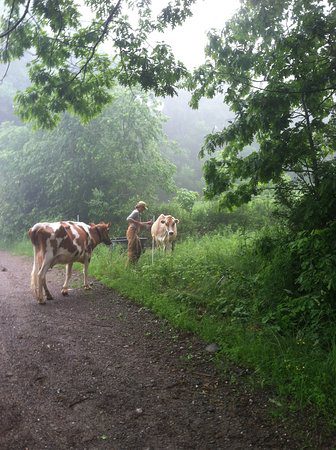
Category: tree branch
<point>310,139</point>
<point>99,40</point>
<point>13,27</point>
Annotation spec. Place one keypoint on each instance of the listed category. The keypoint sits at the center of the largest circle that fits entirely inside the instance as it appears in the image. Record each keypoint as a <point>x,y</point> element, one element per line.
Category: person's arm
<point>143,224</point>
<point>136,222</point>
<point>130,219</point>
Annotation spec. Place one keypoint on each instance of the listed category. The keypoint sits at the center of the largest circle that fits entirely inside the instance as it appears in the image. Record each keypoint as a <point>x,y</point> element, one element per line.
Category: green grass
<point>211,287</point>
<point>23,247</point>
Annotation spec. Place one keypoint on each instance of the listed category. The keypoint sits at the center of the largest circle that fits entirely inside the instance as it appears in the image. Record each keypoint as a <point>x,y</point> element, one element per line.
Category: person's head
<point>141,206</point>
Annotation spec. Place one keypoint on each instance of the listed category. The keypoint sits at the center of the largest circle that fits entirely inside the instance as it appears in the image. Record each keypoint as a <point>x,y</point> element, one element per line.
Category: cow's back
<point>76,239</point>
<point>63,241</point>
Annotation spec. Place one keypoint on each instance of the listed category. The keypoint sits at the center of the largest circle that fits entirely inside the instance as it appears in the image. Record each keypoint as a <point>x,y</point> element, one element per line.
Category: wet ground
<point>96,371</point>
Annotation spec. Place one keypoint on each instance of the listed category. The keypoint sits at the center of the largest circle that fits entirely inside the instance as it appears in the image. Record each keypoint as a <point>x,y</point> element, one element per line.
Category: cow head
<point>103,232</point>
<point>170,223</point>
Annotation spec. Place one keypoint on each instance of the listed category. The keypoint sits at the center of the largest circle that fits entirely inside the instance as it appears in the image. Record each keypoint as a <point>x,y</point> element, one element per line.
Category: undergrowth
<point>238,293</point>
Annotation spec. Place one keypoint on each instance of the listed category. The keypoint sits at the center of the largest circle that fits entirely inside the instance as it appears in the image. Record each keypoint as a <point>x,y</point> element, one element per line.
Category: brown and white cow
<point>63,243</point>
<point>164,231</point>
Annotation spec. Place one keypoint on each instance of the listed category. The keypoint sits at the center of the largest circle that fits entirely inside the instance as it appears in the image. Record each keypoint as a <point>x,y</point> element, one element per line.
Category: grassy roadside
<point>18,247</point>
<point>209,287</point>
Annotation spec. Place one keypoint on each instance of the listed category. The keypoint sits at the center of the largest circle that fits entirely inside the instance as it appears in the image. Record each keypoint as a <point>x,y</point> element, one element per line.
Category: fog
<point>188,42</point>
<point>185,126</point>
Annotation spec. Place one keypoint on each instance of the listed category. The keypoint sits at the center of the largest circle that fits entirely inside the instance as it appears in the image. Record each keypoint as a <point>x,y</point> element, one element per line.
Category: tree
<point>274,62</point>
<point>69,72</point>
<point>97,171</point>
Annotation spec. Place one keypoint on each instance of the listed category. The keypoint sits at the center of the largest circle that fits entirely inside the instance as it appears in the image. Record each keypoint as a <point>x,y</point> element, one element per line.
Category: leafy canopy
<point>69,71</point>
<point>274,64</point>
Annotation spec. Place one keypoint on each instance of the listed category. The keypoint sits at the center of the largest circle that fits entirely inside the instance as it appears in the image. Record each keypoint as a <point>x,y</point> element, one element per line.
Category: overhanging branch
<point>16,24</point>
<point>99,40</point>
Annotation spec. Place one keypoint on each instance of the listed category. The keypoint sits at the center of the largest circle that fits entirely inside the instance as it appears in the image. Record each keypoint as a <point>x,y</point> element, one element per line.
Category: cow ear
<point>177,221</point>
<point>109,224</point>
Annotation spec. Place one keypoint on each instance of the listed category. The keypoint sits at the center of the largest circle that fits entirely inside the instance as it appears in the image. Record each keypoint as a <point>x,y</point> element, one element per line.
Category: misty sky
<point>188,41</point>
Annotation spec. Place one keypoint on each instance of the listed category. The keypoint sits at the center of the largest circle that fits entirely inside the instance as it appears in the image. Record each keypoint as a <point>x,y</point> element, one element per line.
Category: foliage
<point>19,247</point>
<point>7,92</point>
<point>316,254</point>
<point>96,172</point>
<point>256,214</point>
<point>273,62</point>
<point>71,70</point>
<point>98,205</point>
<point>186,199</point>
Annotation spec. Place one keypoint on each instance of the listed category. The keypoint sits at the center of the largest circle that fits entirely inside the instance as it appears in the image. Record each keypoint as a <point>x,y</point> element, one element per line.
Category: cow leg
<point>68,272</point>
<point>42,282</point>
<point>160,244</point>
<point>34,275</point>
<point>45,287</point>
<point>85,273</point>
<point>46,290</point>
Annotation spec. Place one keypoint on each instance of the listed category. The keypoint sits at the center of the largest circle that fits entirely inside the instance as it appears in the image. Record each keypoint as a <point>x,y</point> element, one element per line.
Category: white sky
<point>188,41</point>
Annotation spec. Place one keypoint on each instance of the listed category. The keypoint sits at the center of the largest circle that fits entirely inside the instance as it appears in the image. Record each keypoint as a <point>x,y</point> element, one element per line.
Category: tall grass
<point>215,287</point>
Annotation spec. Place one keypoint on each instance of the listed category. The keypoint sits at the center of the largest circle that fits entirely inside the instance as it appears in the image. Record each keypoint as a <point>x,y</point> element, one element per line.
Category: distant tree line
<point>97,171</point>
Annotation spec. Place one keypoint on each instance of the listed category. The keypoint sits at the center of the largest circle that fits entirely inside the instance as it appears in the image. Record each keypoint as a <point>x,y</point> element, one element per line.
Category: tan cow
<point>164,232</point>
<point>63,243</point>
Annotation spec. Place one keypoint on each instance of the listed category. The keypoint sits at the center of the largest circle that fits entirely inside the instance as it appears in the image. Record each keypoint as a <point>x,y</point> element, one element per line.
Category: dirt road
<point>95,371</point>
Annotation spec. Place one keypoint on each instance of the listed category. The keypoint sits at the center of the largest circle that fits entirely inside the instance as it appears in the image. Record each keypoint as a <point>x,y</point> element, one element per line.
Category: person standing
<point>132,234</point>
